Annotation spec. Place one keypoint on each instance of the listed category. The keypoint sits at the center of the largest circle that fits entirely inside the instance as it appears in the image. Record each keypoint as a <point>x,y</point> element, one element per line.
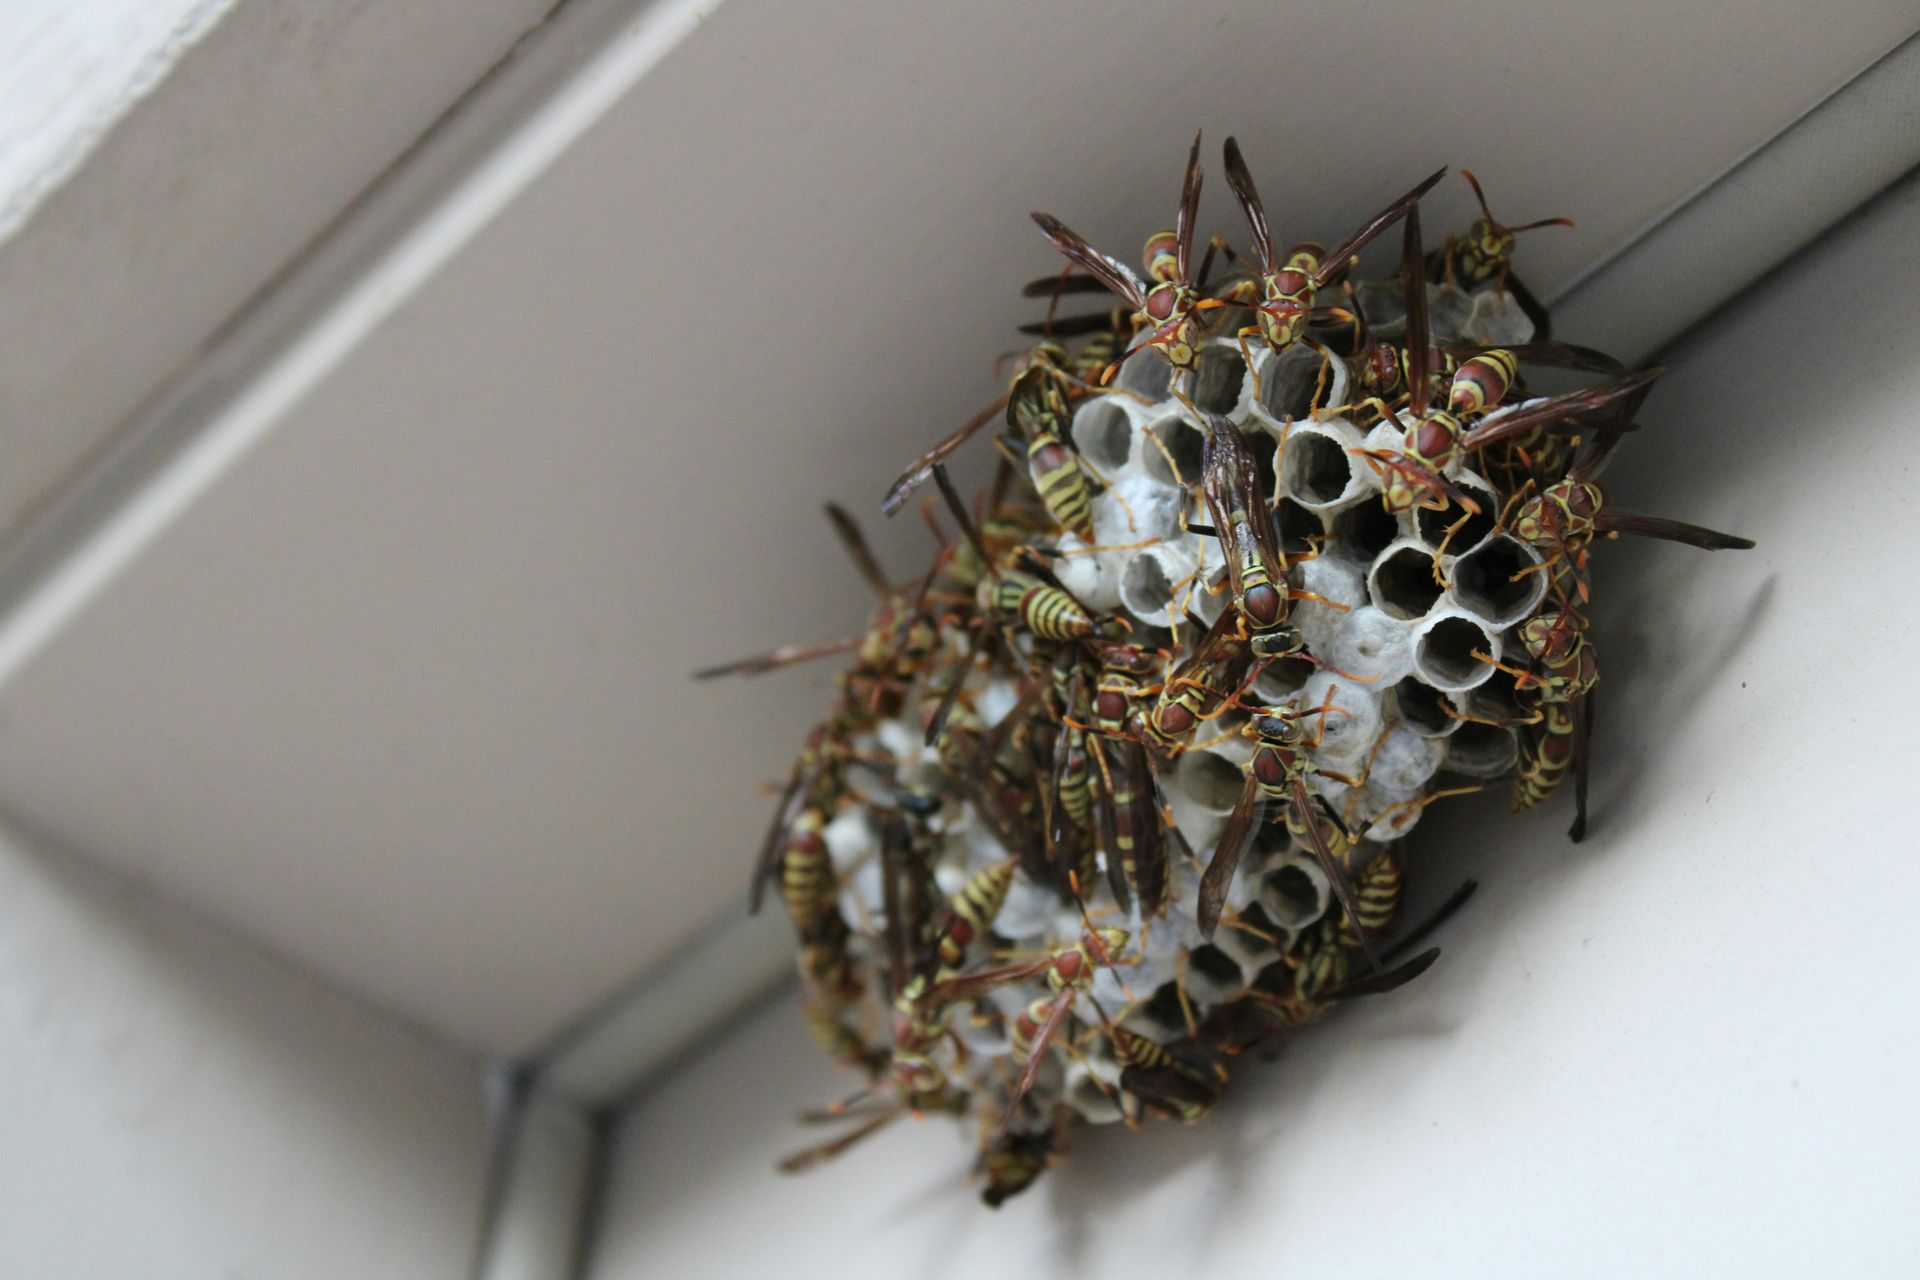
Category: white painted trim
<point>1754,217</point>
<point>68,72</point>
<point>737,960</point>
<point>501,139</point>
<point>544,1181</point>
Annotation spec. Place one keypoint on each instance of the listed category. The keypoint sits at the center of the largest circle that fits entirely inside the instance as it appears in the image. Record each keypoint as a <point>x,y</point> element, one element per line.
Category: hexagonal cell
<point>1497,319</point>
<point>1422,708</point>
<point>1448,312</point>
<point>1296,527</point>
<point>1281,679</point>
<point>1471,527</point>
<point>1213,976</point>
<point>1372,645</point>
<point>1161,1016</point>
<point>1146,375</point>
<point>1264,449</point>
<point>1149,581</point>
<point>1103,432</point>
<point>1401,765</point>
<point>1219,379</point>
<point>1385,304</point>
<point>1178,451</point>
<point>1209,779</point>
<point>1402,581</point>
<point>1351,724</point>
<point>1298,381</point>
<point>1295,894</point>
<point>1317,471</point>
<point>1484,581</point>
<point>1255,944</point>
<point>1482,751</point>
<point>1363,531</point>
<point>1206,604</point>
<point>1093,1100</point>
<point>1444,646</point>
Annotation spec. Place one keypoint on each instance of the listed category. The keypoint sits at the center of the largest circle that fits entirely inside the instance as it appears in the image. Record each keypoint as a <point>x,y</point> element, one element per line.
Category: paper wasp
<point>1562,519</point>
<point>1276,773</point>
<point>1288,286</point>
<point>1168,308</point>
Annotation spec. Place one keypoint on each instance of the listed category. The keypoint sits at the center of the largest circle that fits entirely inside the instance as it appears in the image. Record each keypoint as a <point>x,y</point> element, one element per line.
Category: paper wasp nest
<point>994,848</point>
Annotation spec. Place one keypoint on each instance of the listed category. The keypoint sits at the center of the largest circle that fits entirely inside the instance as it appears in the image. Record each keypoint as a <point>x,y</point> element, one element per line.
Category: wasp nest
<point>1119,786</point>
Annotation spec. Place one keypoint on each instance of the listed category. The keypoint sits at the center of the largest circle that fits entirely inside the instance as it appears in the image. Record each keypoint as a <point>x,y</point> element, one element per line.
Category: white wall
<point>176,1104</point>
<point>1684,1047</point>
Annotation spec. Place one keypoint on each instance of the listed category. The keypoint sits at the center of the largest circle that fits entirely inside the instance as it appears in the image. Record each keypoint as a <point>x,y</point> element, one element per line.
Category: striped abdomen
<point>1546,753</point>
<point>1481,383</point>
<point>1323,966</point>
<point>1377,895</point>
<point>974,908</point>
<point>1062,484</point>
<point>1046,611</point>
<point>1076,777</point>
<point>1026,1027</point>
<point>807,881</point>
<point>825,962</point>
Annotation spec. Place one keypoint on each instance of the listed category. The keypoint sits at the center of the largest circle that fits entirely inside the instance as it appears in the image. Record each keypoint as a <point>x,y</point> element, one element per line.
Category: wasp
<point>1068,972</point>
<point>1549,749</point>
<point>1559,684</point>
<point>1029,594</point>
<point>842,1043</point>
<point>1288,286</point>
<point>1243,521</point>
<point>1037,408</point>
<point>1434,441</point>
<point>1276,773</point>
<point>888,656</point>
<point>1486,253</point>
<point>1376,894</point>
<point>1561,520</point>
<point>1168,309</point>
<point>826,962</point>
<point>1013,1161</point>
<point>970,912</point>
<point>1200,685</point>
<point>1178,1084</point>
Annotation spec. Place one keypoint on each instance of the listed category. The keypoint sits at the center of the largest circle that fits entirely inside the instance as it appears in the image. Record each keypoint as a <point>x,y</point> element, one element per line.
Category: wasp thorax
<point>1163,301</point>
<point>1434,439</point>
<point>1262,605</point>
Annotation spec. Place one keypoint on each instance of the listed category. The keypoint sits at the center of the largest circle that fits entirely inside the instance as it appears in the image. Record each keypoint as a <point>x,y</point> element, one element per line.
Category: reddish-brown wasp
<point>1243,521</point>
<point>1276,773</point>
<point>1168,308</point>
<point>1288,286</point>
<point>1202,683</point>
<point>1434,441</point>
<point>1486,253</point>
<point>1561,520</point>
<point>1068,971</point>
<point>1037,407</point>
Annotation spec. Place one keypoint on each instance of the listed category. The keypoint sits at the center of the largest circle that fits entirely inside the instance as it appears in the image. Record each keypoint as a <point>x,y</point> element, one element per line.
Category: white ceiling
<point>402,692</point>
<point>155,223</point>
